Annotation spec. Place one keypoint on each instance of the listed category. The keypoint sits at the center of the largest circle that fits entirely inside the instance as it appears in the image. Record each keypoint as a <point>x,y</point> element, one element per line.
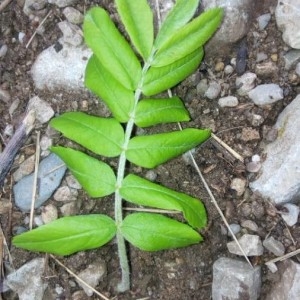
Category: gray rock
<point>50,173</point>
<point>73,183</point>
<point>49,213</point>
<point>92,275</point>
<point>265,94</point>
<point>234,26</point>
<point>229,101</point>
<point>73,15</point>
<point>234,280</point>
<point>263,21</point>
<point>274,246</point>
<point>28,281</point>
<point>4,95</point>
<point>61,70</point>
<point>32,7</point>
<point>250,225</point>
<point>291,58</point>
<point>245,83</point>
<point>43,110</point>
<point>25,168</point>
<point>267,69</point>
<point>251,245</point>
<point>280,177</point>
<point>213,90</point>
<point>3,50</point>
<point>297,70</point>
<point>288,287</point>
<point>63,3</point>
<point>64,193</point>
<point>261,56</point>
<point>235,228</point>
<point>291,216</point>
<point>72,34</point>
<point>71,208</point>
<point>287,15</point>
<point>202,87</point>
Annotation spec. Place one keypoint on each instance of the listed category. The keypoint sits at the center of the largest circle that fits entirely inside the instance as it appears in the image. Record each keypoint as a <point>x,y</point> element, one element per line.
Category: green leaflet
<point>111,48</point>
<point>68,235</point>
<point>143,192</point>
<point>119,99</point>
<point>96,177</point>
<point>159,79</point>
<point>137,18</point>
<point>154,232</point>
<point>180,14</point>
<point>103,136</point>
<point>155,111</point>
<point>153,150</point>
<point>188,38</point>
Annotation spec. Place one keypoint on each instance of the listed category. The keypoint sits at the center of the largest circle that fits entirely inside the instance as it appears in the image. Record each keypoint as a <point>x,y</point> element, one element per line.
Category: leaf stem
<point>124,285</point>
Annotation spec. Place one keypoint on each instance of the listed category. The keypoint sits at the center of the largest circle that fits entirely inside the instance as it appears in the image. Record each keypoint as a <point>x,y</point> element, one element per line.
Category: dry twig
<point>3,4</point>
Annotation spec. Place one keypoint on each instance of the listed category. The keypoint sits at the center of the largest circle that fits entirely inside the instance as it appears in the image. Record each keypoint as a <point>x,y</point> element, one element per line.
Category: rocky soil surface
<point>246,91</point>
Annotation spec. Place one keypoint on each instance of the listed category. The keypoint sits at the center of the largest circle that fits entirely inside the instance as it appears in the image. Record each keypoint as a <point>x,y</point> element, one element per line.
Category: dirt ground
<point>177,274</point>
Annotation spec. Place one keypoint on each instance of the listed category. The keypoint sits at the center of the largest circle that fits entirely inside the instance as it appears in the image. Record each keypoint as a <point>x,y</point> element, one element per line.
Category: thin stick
<point>229,149</point>
<point>3,4</point>
<point>35,32</point>
<point>78,278</point>
<point>161,211</point>
<point>34,187</point>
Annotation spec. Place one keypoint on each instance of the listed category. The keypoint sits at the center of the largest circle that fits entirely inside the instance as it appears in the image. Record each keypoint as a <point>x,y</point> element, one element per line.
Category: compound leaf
<point>143,192</point>
<point>104,136</point>
<point>153,150</point>
<point>188,38</point>
<point>100,81</point>
<point>68,235</point>
<point>180,14</point>
<point>155,111</point>
<point>154,232</point>
<point>137,18</point>
<point>111,48</point>
<point>159,79</point>
<point>96,177</point>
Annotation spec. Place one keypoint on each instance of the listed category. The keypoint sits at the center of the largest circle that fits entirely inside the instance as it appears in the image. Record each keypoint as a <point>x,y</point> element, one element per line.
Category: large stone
<point>235,280</point>
<point>280,177</point>
<point>288,287</point>
<point>61,69</point>
<point>288,20</point>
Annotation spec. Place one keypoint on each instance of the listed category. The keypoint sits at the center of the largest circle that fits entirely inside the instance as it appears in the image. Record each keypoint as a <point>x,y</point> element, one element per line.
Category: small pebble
<point>249,134</point>
<point>246,209</point>
<point>25,168</point>
<point>256,120</point>
<point>298,69</point>
<point>266,94</point>
<point>291,216</point>
<point>235,228</point>
<point>3,50</point>
<point>49,213</point>
<point>202,87</point>
<point>45,142</point>
<point>274,57</point>
<point>245,83</point>
<point>64,193</point>
<point>257,209</point>
<point>71,208</point>
<point>228,70</point>
<point>73,15</point>
<point>239,185</point>
<point>213,90</point>
<point>255,158</point>
<point>151,175</point>
<point>250,225</point>
<point>219,66</point>
<point>263,21</point>
<point>38,221</point>
<point>73,182</point>
<point>4,95</point>
<point>274,246</point>
<point>251,245</point>
<point>9,130</point>
<point>261,56</point>
<point>229,101</point>
<point>253,167</point>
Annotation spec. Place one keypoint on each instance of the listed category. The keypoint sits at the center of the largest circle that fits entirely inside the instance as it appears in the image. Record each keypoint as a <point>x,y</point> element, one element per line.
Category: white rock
<point>64,193</point>
<point>72,34</point>
<point>73,15</point>
<point>291,58</point>
<point>274,246</point>
<point>291,216</point>
<point>61,70</point>
<point>235,228</point>
<point>4,95</point>
<point>45,142</point>
<point>43,110</point>
<point>288,287</point>
<point>28,281</point>
<point>280,173</point>
<point>92,275</point>
<point>63,3</point>
<point>229,101</point>
<point>287,15</point>
<point>245,83</point>
<point>228,69</point>
<point>234,279</point>
<point>213,90</point>
<point>3,50</point>
<point>239,185</point>
<point>263,21</point>
<point>251,245</point>
<point>298,69</point>
<point>265,94</point>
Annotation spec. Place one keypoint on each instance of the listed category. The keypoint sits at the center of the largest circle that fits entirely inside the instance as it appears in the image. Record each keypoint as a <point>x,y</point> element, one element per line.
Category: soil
<point>176,274</point>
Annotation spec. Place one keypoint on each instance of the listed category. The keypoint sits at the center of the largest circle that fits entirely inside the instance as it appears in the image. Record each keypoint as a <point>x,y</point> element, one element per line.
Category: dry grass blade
<point>78,278</point>
<point>283,257</point>
<point>159,211</point>
<point>34,187</point>
<point>3,4</point>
